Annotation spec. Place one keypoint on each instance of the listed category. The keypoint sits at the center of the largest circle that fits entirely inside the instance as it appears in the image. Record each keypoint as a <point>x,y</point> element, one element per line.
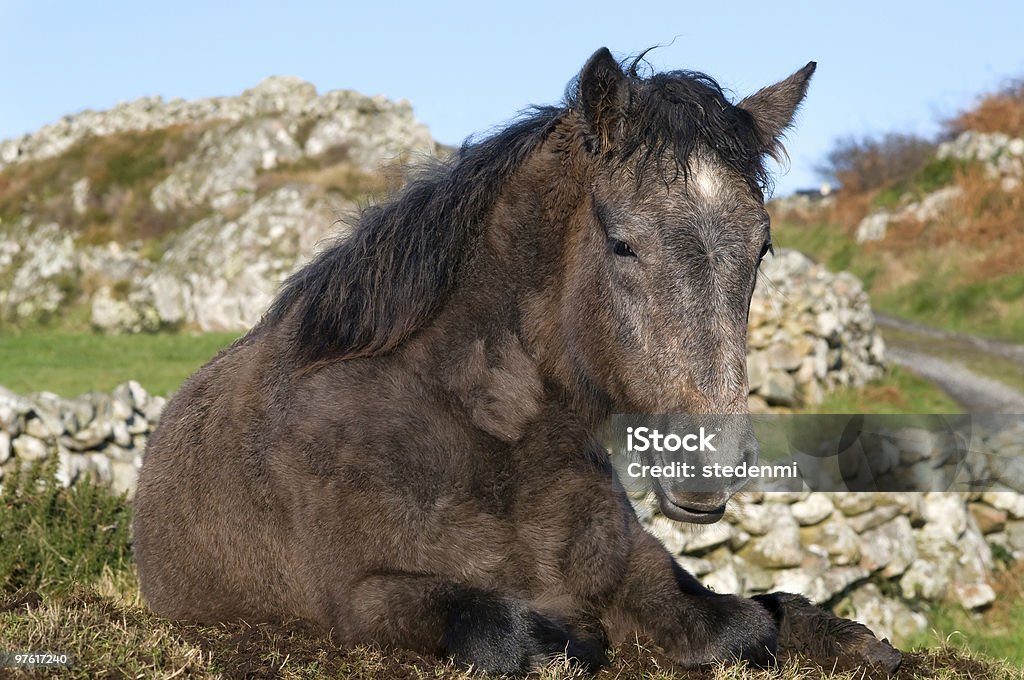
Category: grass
<point>933,175</point>
<point>53,537</point>
<point>1002,623</point>
<point>933,286</point>
<point>898,392</point>
<point>993,308</point>
<point>73,363</point>
<point>72,589</point>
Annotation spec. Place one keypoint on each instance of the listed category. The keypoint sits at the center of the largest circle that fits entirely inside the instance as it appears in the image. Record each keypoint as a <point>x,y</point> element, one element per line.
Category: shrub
<point>868,163</point>
<point>54,537</point>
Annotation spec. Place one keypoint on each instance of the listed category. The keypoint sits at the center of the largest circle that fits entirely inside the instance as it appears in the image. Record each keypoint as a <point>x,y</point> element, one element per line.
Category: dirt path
<point>933,354</point>
<point>1004,350</point>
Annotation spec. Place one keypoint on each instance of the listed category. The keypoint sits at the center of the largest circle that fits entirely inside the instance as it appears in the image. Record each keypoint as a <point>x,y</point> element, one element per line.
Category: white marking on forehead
<point>705,180</point>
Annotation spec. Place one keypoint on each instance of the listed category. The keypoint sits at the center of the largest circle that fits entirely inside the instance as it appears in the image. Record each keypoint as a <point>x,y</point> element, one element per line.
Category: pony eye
<point>621,248</point>
<point>765,249</point>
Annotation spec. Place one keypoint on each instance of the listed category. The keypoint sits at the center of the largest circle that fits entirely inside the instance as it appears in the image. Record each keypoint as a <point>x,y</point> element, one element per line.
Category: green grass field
<point>898,392</point>
<point>70,363</point>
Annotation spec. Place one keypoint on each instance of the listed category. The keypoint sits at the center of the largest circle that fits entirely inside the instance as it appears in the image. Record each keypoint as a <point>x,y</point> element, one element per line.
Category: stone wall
<point>810,330</point>
<point>874,556</point>
<point>99,435</point>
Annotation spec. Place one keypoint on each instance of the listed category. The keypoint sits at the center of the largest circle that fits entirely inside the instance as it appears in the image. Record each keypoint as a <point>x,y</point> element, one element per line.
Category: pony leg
<point>693,625</point>
<point>478,628</point>
<point>826,639</point>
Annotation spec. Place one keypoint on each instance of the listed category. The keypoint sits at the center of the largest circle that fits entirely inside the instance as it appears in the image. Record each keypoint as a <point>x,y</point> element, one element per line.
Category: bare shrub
<point>867,163</point>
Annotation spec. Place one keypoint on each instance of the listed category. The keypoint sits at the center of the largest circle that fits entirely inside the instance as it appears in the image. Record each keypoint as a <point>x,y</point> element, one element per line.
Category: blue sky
<point>469,66</point>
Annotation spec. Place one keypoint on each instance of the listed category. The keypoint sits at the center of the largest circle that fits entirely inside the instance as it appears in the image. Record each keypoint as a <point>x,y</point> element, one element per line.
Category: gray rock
<point>816,508</point>
<point>120,434</point>
<point>779,389</point>
<point>873,518</point>
<point>1010,501</point>
<point>1008,466</point>
<point>784,357</point>
<point>724,579</point>
<point>837,538</point>
<point>91,437</point>
<point>71,466</point>
<point>153,409</point>
<point>852,503</point>
<point>757,369</point>
<point>137,424</point>
<point>974,595</point>
<point>946,514</point>
<point>222,274</point>
<point>1015,535</point>
<point>124,477</point>
<point>890,547</point>
<point>779,546</point>
<point>222,171</point>
<point>701,539</point>
<point>915,444</point>
<point>757,518</point>
<point>29,449</point>
<point>11,421</point>
<point>35,427</point>
<point>139,396</point>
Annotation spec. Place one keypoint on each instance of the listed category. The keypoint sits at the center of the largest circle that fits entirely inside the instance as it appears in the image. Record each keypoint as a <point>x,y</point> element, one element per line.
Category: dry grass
<point>111,636</point>
<point>122,170</point>
<point>1001,111</point>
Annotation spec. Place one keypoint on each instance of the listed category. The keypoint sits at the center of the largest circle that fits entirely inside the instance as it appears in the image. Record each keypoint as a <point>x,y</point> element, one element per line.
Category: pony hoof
<point>828,640</point>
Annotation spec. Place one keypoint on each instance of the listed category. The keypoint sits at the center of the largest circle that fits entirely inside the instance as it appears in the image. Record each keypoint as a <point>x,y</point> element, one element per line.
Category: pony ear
<point>774,107</point>
<point>603,95</point>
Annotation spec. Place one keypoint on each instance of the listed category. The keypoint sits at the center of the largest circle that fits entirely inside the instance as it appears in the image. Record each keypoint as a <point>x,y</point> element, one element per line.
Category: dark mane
<point>366,294</point>
<point>670,114</point>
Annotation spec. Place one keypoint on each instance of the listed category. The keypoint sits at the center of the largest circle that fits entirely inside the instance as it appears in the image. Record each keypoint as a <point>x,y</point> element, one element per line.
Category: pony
<point>403,450</point>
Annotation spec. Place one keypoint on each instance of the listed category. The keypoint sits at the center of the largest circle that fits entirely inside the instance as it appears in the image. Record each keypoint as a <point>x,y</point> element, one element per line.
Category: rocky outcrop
<point>375,129</point>
<point>1000,155</point>
<point>210,168</point>
<point>220,274</point>
<point>930,207</point>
